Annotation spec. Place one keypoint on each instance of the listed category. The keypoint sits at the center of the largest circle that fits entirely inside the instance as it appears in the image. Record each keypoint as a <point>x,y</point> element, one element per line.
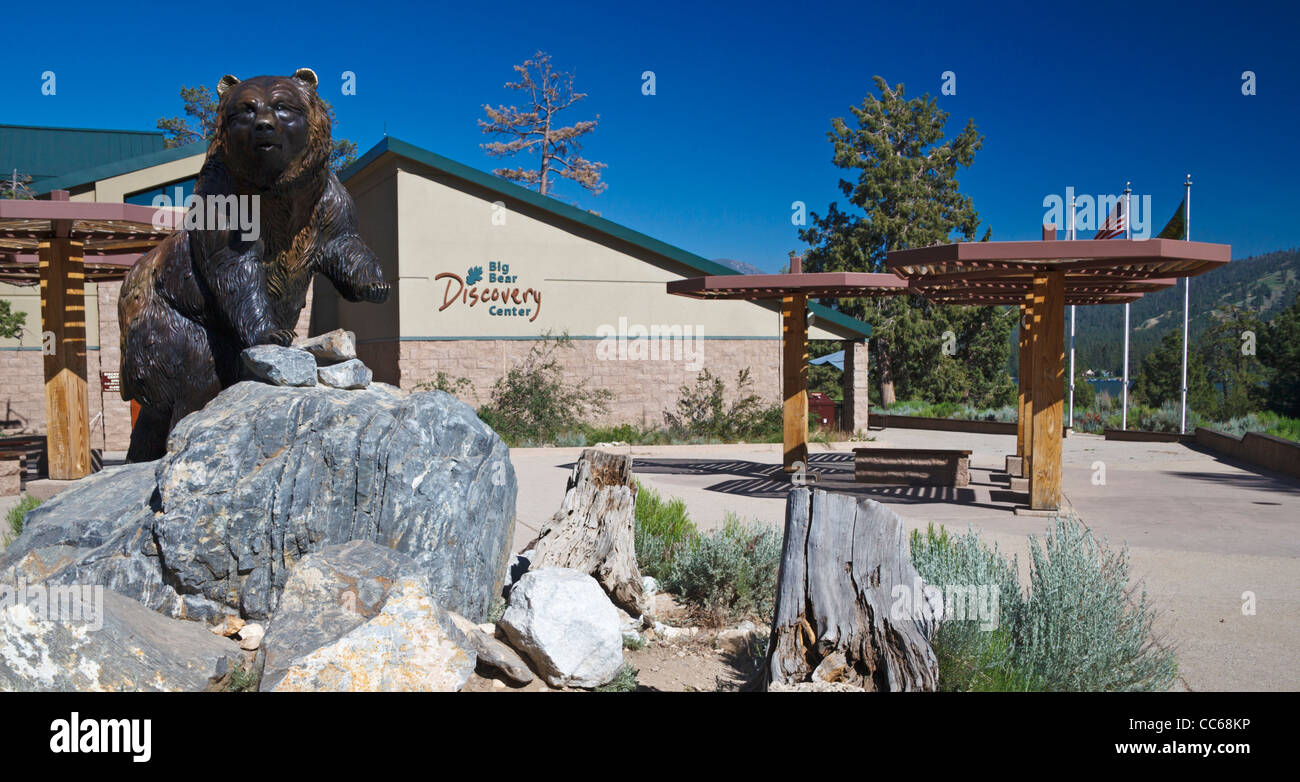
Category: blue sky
<point>1088,95</point>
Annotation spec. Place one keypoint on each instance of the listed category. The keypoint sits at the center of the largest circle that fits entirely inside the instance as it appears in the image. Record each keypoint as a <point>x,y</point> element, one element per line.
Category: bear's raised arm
<point>344,258</point>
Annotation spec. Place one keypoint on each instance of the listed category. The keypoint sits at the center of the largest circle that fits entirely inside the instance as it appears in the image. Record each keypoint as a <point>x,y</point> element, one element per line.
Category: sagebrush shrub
<point>1082,630</point>
<point>729,573</point>
<point>1079,628</point>
<point>971,655</point>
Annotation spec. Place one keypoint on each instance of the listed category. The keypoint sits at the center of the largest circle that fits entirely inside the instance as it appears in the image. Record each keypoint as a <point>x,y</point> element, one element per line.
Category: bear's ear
<point>306,76</point>
<point>226,83</point>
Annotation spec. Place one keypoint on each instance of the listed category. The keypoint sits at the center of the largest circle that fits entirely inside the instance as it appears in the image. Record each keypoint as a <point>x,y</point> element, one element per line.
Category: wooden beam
<point>1048,391</point>
<point>794,381</point>
<point>63,313</point>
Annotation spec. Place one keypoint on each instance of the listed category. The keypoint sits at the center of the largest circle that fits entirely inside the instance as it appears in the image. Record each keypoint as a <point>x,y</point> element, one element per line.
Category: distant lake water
<point>1111,385</point>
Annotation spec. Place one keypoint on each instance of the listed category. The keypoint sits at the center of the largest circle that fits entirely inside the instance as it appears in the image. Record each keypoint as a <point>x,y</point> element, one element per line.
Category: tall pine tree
<point>903,193</point>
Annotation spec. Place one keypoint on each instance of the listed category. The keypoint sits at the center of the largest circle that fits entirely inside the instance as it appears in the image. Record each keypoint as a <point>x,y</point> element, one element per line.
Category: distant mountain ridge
<point>1264,284</point>
<point>740,266</point>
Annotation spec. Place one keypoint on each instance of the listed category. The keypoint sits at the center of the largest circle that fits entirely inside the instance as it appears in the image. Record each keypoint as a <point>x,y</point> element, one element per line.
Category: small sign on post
<point>110,381</point>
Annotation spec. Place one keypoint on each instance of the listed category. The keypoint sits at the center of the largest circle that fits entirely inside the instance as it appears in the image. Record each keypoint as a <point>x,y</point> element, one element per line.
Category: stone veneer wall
<point>642,390</point>
<point>22,382</point>
<point>22,390</point>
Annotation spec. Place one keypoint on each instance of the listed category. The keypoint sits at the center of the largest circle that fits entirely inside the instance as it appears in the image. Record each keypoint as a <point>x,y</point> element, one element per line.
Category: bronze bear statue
<point>194,302</point>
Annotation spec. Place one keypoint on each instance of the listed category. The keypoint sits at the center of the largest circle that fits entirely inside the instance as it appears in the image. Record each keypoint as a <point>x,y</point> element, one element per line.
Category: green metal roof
<point>117,167</point>
<point>45,153</point>
<point>826,317</point>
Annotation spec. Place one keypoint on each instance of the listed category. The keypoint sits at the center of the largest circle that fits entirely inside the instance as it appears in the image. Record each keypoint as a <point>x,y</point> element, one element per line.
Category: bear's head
<point>272,131</point>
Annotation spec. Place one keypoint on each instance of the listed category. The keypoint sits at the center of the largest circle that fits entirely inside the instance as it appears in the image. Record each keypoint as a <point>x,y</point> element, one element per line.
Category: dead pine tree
<point>536,129</point>
<point>843,561</point>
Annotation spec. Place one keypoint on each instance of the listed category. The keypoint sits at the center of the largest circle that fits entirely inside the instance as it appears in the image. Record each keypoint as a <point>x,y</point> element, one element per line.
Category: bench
<point>912,466</point>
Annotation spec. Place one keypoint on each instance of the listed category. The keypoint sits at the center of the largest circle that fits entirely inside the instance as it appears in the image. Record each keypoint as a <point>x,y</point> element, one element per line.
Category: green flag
<point>1177,227</point>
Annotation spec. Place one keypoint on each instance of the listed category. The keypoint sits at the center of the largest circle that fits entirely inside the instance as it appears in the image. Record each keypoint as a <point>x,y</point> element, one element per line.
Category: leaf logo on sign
<point>474,274</point>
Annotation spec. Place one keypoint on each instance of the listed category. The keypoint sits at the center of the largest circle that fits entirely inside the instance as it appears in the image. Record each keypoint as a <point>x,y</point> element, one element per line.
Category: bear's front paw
<point>376,291</point>
<point>282,337</point>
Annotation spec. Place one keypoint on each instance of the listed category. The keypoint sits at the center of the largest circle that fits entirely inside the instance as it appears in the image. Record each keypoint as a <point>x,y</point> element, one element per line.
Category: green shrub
<point>444,382</point>
<point>662,529</point>
<point>533,403</point>
<point>702,411</point>
<point>624,681</point>
<point>242,679</point>
<point>972,655</point>
<point>17,515</point>
<point>1081,632</point>
<point>1166,418</point>
<point>730,573</point>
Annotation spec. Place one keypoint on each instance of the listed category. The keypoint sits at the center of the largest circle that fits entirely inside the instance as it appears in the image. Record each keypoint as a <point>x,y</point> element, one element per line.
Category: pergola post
<point>1048,348</point>
<point>855,385</point>
<point>63,314</point>
<point>794,381</point>
<point>1024,396</point>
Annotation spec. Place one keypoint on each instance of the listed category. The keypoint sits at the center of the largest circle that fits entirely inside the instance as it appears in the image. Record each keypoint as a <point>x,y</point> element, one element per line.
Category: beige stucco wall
<point>422,223</point>
<point>587,281</point>
<point>116,189</point>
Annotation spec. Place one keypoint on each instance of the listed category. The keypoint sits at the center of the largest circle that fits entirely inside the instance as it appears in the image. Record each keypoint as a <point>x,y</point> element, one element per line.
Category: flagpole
<point>1070,235</point>
<point>1187,292</point>
<point>1071,426</point>
<point>1128,234</point>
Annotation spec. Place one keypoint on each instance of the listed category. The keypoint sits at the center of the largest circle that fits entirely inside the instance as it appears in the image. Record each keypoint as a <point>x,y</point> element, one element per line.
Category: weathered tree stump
<point>842,560</point>
<point>594,531</point>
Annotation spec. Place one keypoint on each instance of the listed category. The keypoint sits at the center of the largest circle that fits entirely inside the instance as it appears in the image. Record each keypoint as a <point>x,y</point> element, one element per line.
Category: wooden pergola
<point>61,245</point>
<point>1042,277</point>
<point>793,290</point>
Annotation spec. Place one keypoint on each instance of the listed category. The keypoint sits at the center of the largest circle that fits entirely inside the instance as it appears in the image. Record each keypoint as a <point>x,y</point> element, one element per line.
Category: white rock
<point>348,375</point>
<point>670,633</point>
<point>336,345</point>
<point>250,636</point>
<point>562,621</point>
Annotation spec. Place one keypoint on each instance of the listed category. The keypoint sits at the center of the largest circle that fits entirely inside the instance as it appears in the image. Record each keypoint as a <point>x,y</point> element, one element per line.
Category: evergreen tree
<point>11,323</point>
<point>1235,374</point>
<point>1160,378</point>
<point>904,194</point>
<point>1279,351</point>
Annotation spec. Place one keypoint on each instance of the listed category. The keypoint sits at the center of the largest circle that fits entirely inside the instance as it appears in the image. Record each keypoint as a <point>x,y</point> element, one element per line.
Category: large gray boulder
<point>412,645</point>
<point>110,643</point>
<point>265,475</point>
<point>329,594</point>
<point>562,621</point>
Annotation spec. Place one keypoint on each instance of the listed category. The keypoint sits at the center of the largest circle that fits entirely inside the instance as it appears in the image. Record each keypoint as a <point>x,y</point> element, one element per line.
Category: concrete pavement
<point>1201,531</point>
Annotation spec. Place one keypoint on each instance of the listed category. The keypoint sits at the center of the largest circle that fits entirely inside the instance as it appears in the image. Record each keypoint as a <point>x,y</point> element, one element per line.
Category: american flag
<point>1115,225</point>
